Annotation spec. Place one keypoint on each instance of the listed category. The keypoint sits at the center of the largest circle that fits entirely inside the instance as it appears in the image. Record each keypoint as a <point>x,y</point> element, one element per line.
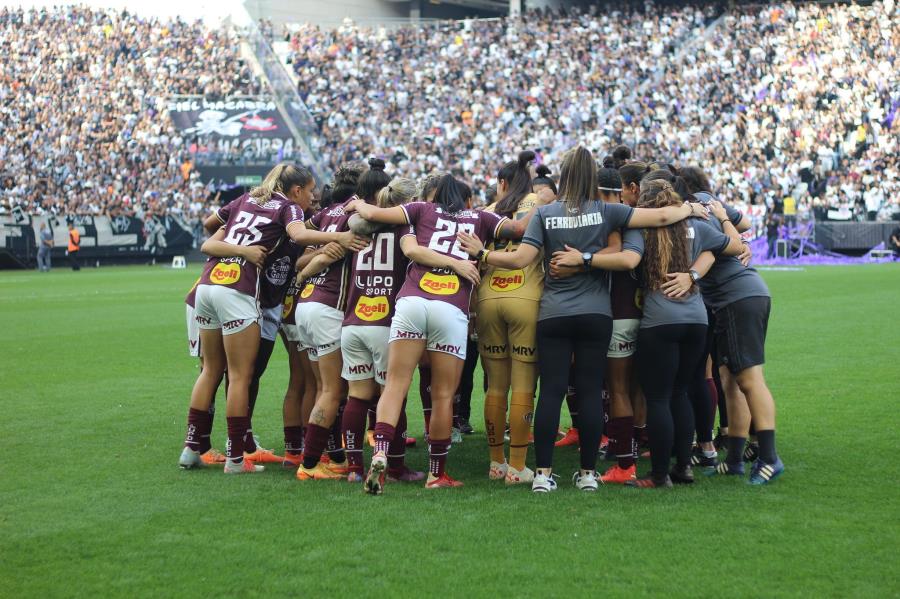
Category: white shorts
<point>444,327</point>
<point>319,328</point>
<point>623,342</point>
<point>193,332</point>
<point>217,307</point>
<point>290,332</point>
<point>365,353</point>
<point>269,321</point>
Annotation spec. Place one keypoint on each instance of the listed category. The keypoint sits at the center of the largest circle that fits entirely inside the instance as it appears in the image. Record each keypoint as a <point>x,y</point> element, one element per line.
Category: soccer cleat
<point>619,476</point>
<point>325,459</point>
<point>701,459</point>
<point>543,484</point>
<point>319,472</point>
<point>213,456</point>
<point>604,443</point>
<point>370,438</point>
<point>650,482</point>
<point>682,476</point>
<point>585,482</point>
<point>265,456</point>
<point>292,461</point>
<point>341,468</point>
<point>354,477</point>
<point>190,459</point>
<point>751,452</point>
<point>464,427</point>
<point>455,435</point>
<point>763,473</point>
<point>410,442</point>
<point>497,470</point>
<point>245,466</point>
<point>441,482</point>
<point>374,483</point>
<point>570,438</point>
<point>721,440</point>
<point>519,477</point>
<point>726,469</point>
<point>404,475</point>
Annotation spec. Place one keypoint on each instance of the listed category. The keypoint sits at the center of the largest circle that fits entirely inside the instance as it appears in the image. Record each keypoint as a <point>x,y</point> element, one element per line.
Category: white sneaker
<point>245,466</point>
<point>190,459</point>
<point>519,477</point>
<point>543,484</point>
<point>455,435</point>
<point>585,482</point>
<point>497,470</point>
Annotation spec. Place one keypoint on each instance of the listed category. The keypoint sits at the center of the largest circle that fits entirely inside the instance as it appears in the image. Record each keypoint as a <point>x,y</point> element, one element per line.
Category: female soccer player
<point>508,303</point>
<point>320,318</point>
<point>227,296</point>
<point>431,315</point>
<point>574,319</point>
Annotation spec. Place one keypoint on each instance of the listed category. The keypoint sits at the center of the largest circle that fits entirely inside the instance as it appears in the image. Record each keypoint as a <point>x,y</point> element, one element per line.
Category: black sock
<point>735,450</point>
<point>766,441</point>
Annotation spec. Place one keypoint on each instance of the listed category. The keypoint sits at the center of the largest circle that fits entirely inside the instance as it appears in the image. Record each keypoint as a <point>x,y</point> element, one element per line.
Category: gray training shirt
<point>660,310</point>
<point>551,229</point>
<point>728,280</point>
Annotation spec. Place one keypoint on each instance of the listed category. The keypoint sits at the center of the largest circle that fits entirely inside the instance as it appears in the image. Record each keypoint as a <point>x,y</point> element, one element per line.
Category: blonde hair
<point>398,191</point>
<point>577,178</point>
<point>280,180</point>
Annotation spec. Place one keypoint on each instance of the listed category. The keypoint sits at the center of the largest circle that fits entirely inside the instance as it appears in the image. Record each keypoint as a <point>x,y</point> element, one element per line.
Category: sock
<point>198,429</point>
<point>313,444</point>
<point>293,440</point>
<point>335,446</point>
<point>437,451</point>
<point>425,394</point>
<point>639,434</point>
<point>767,451</point>
<point>371,422</point>
<point>237,430</point>
<point>713,398</point>
<point>353,423</point>
<point>572,404</point>
<point>249,441</point>
<point>521,412</point>
<point>621,441</point>
<point>495,424</point>
<point>396,453</point>
<point>384,434</point>
<point>735,450</point>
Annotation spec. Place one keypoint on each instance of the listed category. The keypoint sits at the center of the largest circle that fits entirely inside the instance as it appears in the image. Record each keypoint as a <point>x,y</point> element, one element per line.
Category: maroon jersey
<point>376,274</point>
<point>436,229</point>
<point>192,294</point>
<point>625,295</point>
<point>329,287</point>
<point>278,273</point>
<point>250,223</point>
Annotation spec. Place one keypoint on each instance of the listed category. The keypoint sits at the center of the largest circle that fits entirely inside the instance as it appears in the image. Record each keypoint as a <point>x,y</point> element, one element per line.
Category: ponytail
<point>518,179</point>
<point>280,180</point>
<point>450,195</point>
<point>397,192</point>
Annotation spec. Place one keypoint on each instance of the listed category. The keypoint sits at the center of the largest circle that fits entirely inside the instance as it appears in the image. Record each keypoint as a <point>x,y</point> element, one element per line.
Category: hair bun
<point>376,164</point>
<point>542,170</point>
<point>609,162</point>
<point>525,157</point>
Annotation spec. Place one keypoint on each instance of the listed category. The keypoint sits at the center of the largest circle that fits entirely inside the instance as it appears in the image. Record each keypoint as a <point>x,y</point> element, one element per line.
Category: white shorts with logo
<point>444,327</point>
<point>365,353</point>
<point>319,328</point>
<point>269,322</point>
<point>623,342</point>
<point>193,332</point>
<point>218,307</point>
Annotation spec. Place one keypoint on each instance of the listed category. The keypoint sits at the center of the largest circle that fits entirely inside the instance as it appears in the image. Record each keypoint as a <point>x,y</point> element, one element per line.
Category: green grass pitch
<point>95,384</point>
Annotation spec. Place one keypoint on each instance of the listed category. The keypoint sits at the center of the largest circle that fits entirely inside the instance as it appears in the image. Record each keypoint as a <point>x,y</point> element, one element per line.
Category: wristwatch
<point>587,257</point>
<point>695,276</point>
<point>481,254</point>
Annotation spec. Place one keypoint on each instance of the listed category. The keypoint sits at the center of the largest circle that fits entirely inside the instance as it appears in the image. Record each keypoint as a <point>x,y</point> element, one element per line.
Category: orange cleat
<point>292,461</point>
<point>441,482</point>
<point>341,468</point>
<point>570,438</point>
<point>264,456</point>
<point>325,459</point>
<point>319,472</point>
<point>213,456</point>
<point>619,476</point>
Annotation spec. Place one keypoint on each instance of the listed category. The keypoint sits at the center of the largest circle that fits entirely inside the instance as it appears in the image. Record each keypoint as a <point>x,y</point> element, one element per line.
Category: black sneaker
<point>682,476</point>
<point>649,482</point>
<point>700,459</point>
<point>751,452</point>
<point>464,427</point>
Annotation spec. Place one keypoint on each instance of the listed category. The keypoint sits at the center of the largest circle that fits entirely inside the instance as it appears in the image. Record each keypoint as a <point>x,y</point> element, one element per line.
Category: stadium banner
<point>102,238</point>
<point>232,175</point>
<point>837,236</point>
<point>252,126</point>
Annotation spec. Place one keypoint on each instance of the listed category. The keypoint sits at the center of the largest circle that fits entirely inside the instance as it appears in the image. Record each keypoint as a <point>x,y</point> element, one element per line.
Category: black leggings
<point>667,358</point>
<point>586,337</point>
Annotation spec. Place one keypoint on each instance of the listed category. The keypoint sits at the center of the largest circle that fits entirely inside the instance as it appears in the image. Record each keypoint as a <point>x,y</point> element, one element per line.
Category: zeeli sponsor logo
<point>308,290</point>
<point>439,284</point>
<point>225,274</point>
<point>507,280</point>
<point>370,309</point>
<point>233,324</point>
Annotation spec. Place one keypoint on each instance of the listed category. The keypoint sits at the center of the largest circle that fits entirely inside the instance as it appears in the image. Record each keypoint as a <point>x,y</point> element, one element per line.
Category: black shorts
<point>740,333</point>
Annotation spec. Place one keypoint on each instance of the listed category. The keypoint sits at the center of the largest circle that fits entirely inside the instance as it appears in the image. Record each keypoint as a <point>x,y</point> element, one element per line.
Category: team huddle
<point>622,288</point>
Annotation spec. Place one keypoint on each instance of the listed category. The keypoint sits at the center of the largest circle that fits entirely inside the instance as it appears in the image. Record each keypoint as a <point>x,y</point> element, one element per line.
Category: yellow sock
<point>495,424</point>
<point>521,410</point>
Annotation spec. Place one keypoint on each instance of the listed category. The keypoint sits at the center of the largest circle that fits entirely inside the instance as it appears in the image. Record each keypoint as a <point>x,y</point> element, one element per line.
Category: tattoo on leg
<point>317,416</point>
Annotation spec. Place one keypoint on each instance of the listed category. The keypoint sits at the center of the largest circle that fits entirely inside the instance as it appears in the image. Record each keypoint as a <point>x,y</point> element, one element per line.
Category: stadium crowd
<point>82,128</point>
